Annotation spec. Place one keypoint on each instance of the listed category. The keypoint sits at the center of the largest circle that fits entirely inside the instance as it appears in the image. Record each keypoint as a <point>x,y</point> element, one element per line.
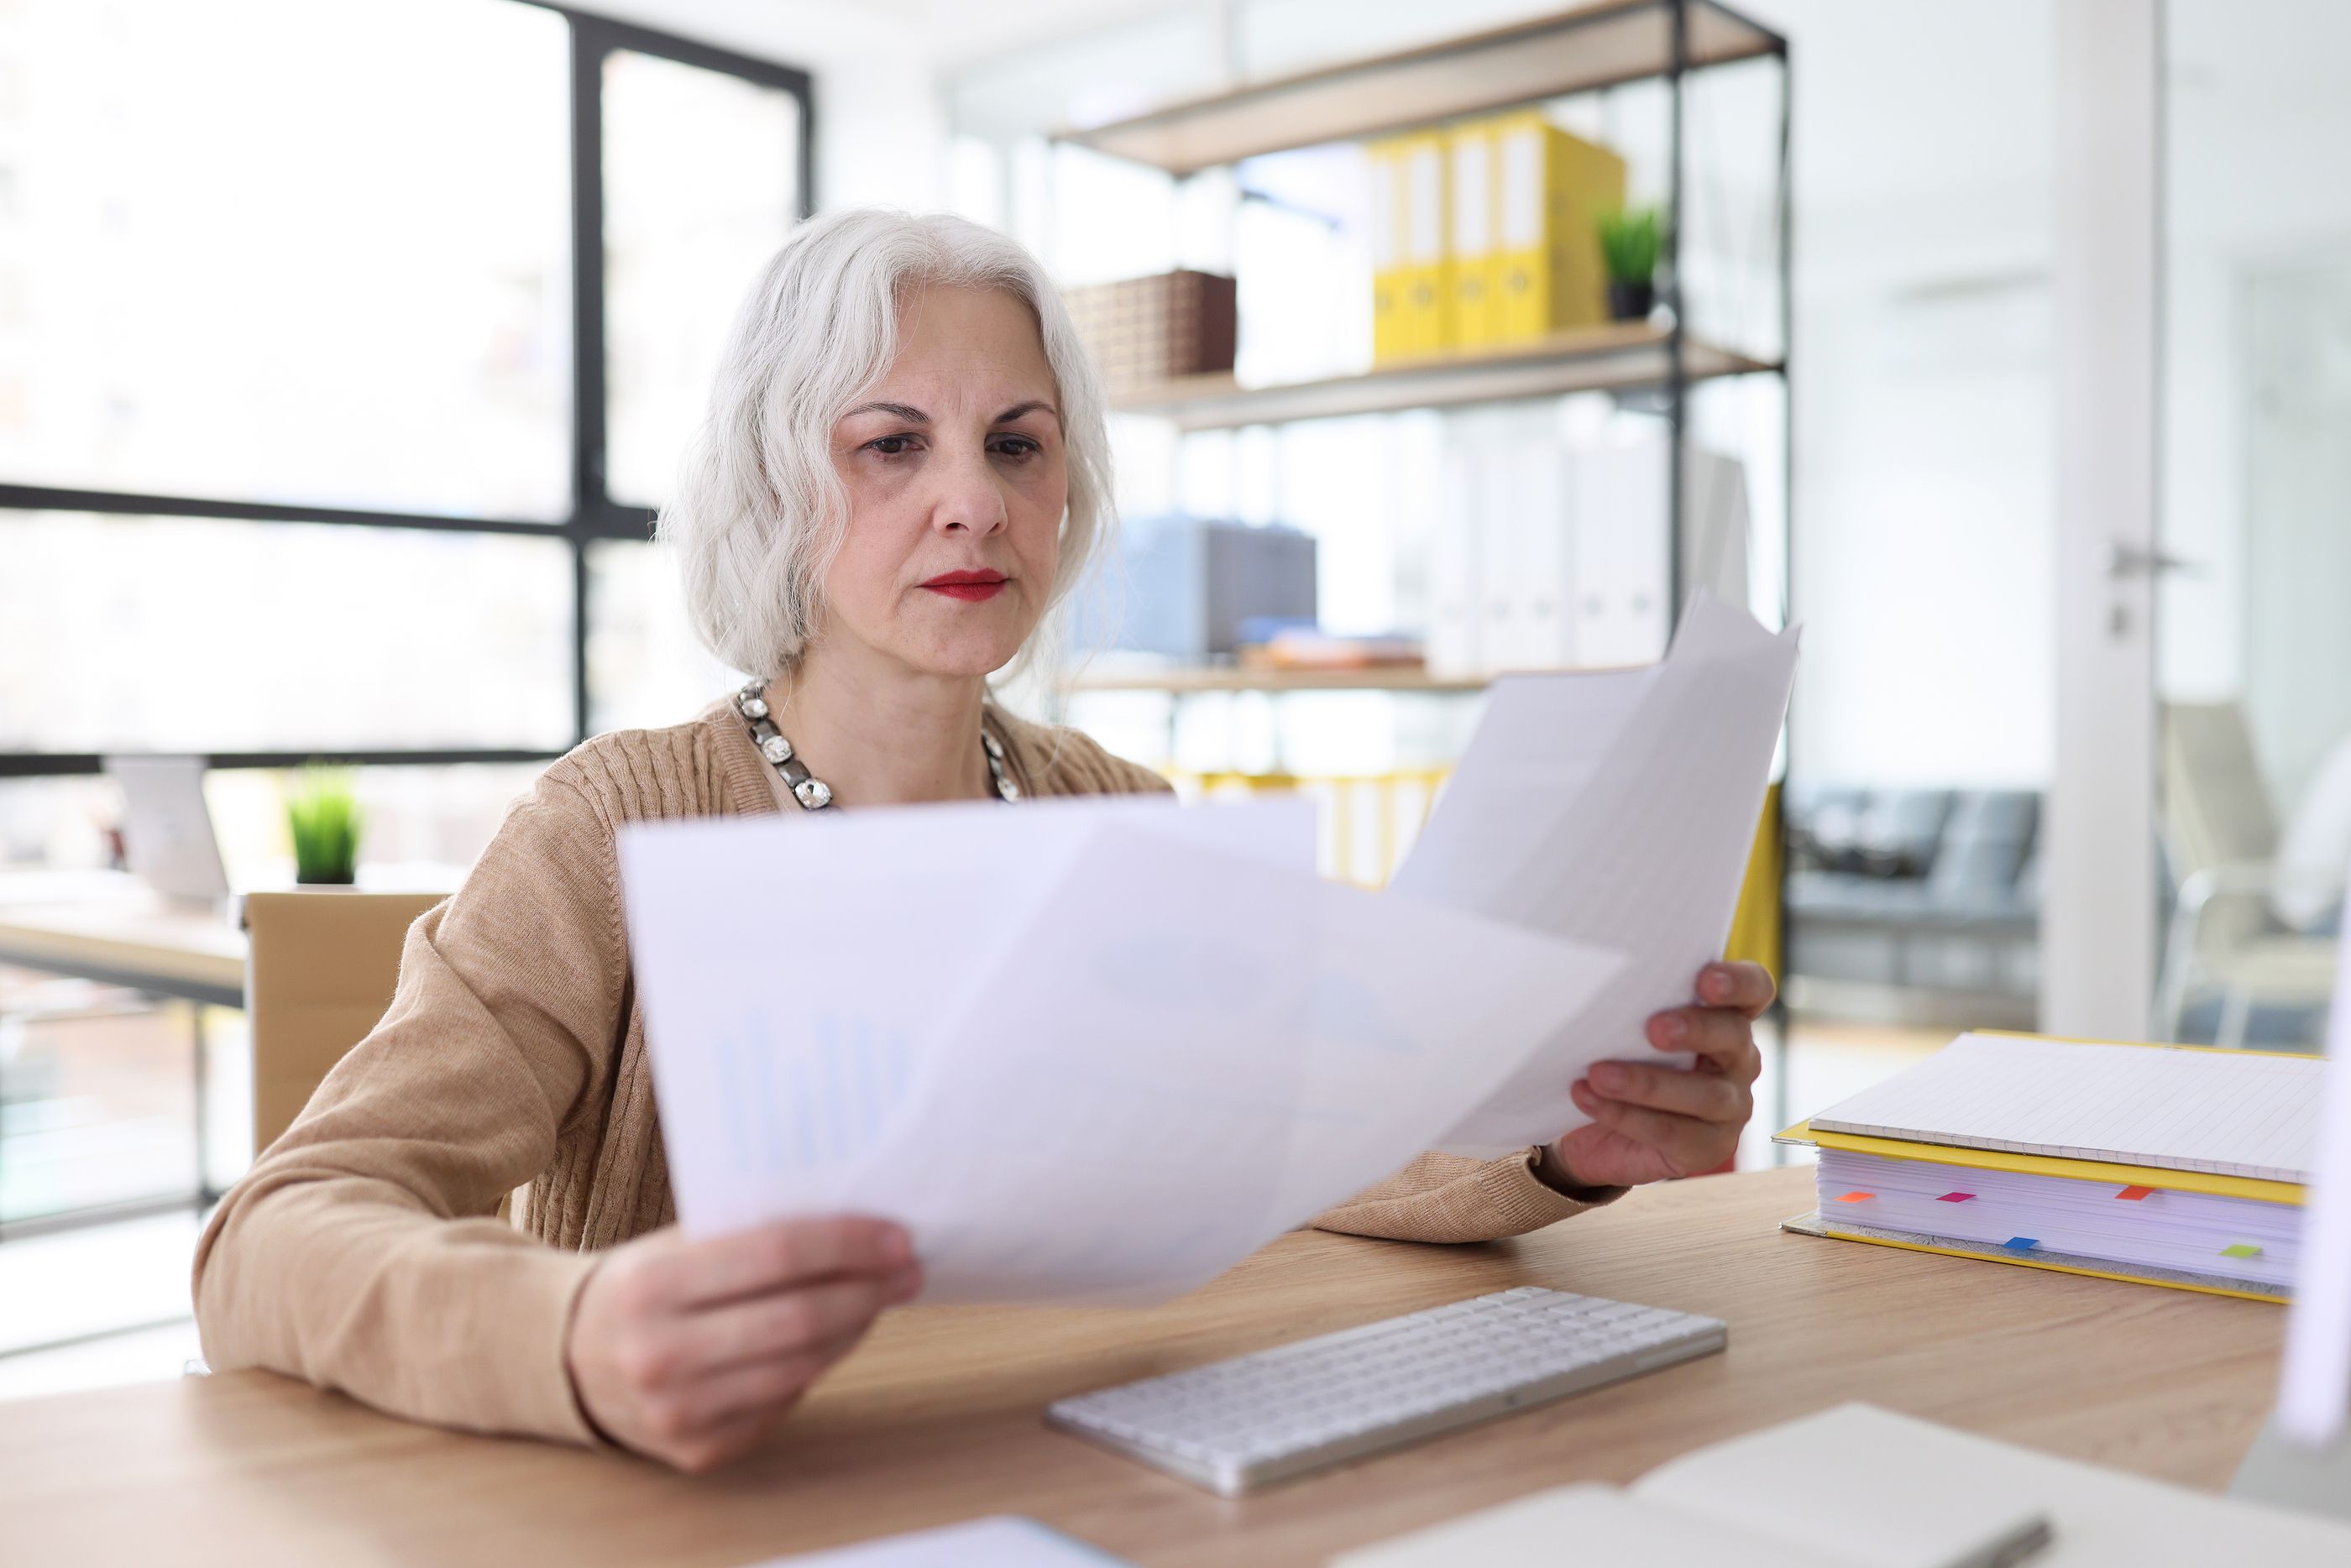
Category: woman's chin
<point>966,657</point>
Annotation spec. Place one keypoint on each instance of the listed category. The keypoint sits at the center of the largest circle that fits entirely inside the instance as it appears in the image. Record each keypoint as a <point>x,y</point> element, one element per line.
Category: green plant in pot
<point>1631,240</point>
<point>323,815</point>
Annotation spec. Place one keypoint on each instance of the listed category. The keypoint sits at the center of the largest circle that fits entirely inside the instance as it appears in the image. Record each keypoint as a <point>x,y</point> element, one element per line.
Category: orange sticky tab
<point>2133,1194</point>
<point>1855,1197</point>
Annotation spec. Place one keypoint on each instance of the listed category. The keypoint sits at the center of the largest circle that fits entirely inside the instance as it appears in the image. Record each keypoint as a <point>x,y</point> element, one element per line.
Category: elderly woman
<point>903,470</point>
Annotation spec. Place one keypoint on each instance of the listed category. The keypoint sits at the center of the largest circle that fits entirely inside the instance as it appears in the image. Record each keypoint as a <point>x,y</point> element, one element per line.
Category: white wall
<point>1924,531</point>
<point>880,135</point>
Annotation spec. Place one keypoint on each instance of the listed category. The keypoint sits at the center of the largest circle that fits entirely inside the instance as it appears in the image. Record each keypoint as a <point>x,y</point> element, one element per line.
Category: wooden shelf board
<point>1596,45</point>
<point>1605,358</point>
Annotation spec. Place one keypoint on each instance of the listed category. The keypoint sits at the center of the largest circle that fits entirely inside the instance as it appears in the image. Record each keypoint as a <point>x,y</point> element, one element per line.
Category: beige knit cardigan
<point>363,1251</point>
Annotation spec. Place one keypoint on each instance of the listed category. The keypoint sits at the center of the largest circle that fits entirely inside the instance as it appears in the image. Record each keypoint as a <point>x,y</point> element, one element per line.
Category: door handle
<point>2130,561</point>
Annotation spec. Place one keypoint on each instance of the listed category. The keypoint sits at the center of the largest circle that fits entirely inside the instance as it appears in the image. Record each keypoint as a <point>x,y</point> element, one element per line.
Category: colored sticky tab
<point>2241,1249</point>
<point>1955,1197</point>
<point>1855,1197</point>
<point>2023,1243</point>
<point>2133,1194</point>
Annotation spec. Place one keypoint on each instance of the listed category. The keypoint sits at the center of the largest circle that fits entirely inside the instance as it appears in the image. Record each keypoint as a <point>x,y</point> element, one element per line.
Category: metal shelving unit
<point>1602,44</point>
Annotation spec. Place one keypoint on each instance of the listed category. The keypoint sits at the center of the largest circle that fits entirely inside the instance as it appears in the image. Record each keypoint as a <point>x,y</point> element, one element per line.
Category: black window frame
<point>594,517</point>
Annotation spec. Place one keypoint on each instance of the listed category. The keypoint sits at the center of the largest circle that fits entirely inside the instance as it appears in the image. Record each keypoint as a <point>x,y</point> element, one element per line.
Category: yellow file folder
<point>1385,159</point>
<point>2158,1179</point>
<point>1476,257</point>
<point>1426,295</point>
<point>1550,189</point>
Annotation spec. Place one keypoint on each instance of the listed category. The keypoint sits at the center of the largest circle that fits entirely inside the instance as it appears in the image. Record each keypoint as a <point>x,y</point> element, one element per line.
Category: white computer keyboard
<point>1234,1424</point>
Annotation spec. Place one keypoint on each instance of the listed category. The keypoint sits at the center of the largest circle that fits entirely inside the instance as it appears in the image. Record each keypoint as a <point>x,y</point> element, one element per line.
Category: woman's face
<point>956,482</point>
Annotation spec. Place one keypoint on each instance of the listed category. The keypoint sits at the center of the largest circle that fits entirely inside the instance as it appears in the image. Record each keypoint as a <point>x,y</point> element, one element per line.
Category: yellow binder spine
<point>1385,161</point>
<point>1428,291</point>
<point>1521,263</point>
<point>1551,186</point>
<point>1469,152</point>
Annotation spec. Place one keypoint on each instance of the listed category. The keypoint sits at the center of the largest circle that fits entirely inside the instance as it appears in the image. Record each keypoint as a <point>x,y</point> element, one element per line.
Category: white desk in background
<point>109,928</point>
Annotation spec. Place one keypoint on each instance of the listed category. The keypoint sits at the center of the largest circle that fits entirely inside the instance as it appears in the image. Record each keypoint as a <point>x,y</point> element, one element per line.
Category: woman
<point>903,470</point>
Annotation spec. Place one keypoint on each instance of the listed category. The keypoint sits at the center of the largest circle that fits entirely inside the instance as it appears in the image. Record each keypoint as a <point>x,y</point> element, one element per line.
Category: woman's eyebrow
<point>1030,407</point>
<point>907,411</point>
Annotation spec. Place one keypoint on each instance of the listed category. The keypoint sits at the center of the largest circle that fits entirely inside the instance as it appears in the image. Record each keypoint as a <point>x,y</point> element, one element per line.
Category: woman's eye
<point>1017,446</point>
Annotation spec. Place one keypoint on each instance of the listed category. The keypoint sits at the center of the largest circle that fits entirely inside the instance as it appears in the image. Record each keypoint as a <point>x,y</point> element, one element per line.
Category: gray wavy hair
<point>760,513</point>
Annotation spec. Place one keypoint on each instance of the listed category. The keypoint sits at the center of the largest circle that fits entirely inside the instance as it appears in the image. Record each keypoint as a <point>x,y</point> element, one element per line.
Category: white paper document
<point>1859,1487</point>
<point>1088,1051</point>
<point>2250,1114</point>
<point>1005,1541</point>
<point>1615,810</point>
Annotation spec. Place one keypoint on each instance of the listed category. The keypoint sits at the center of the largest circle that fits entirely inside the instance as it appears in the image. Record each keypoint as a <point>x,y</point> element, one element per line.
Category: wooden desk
<point>128,937</point>
<point>937,1418</point>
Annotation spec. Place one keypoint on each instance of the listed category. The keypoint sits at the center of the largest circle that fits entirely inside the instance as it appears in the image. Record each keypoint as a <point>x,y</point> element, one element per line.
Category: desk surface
<point>125,936</point>
<point>935,1419</point>
<point>107,926</point>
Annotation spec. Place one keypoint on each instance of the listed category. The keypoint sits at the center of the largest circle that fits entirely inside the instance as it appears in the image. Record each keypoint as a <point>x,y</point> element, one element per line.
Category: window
<point>308,319</point>
<point>269,250</point>
<point>198,634</point>
<point>694,164</point>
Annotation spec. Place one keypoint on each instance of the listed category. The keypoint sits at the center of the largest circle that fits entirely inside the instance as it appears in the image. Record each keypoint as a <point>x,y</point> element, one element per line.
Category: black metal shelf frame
<point>595,516</point>
<point>1680,63</point>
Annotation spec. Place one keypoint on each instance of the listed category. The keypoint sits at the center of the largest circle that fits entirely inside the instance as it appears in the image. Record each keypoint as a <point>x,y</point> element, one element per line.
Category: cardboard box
<point>320,971</point>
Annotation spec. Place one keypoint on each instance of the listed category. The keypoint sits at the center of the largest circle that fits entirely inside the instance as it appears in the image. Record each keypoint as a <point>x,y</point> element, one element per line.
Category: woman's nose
<point>970,498</point>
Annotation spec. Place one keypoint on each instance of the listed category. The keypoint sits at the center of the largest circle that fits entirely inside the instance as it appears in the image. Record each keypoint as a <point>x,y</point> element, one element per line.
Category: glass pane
<point>2254,787</point>
<point>701,183</point>
<point>183,634</point>
<point>98,1107</point>
<point>645,666</point>
<point>274,250</point>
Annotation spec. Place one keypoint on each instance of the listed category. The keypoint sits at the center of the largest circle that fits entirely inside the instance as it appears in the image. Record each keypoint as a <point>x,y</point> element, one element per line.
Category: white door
<point>2097,856</point>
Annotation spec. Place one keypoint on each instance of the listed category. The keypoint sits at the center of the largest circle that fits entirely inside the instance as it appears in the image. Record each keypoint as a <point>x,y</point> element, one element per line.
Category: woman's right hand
<point>690,1351</point>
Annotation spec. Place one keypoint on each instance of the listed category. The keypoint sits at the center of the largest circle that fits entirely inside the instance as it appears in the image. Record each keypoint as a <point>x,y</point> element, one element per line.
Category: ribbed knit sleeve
<point>1448,1197</point>
<point>362,1252</point>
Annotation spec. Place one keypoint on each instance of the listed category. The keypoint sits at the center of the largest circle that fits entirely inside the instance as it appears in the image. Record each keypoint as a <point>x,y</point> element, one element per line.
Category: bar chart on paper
<point>813,1101</point>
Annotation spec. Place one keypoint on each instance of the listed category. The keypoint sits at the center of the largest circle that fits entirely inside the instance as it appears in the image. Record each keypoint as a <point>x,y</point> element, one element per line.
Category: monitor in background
<point>167,831</point>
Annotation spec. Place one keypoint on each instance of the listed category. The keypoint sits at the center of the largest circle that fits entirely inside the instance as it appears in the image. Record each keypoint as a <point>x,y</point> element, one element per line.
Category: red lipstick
<point>971,587</point>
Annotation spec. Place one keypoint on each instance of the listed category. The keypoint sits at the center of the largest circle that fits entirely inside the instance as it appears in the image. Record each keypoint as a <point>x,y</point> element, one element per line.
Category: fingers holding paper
<point>689,1349</point>
<point>1652,1122</point>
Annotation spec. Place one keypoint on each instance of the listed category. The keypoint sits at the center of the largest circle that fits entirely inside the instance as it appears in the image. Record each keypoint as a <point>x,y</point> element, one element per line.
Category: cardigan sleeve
<point>362,1252</point>
<point>1448,1198</point>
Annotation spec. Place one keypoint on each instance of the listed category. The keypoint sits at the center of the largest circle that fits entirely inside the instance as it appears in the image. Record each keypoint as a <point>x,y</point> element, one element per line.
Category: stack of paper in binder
<point>2164,1165</point>
<point>1484,235</point>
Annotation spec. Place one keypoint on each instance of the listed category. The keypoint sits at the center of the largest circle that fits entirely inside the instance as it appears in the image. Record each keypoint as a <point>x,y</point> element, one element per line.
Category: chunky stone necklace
<point>813,792</point>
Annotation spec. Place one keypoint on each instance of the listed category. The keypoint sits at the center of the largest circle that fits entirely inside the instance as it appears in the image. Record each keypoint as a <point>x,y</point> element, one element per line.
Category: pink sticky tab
<point>2133,1194</point>
<point>1955,1197</point>
<point>1856,1197</point>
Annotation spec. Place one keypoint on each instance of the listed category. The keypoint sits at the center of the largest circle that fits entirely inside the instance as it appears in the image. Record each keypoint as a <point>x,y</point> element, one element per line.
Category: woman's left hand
<point>1651,1122</point>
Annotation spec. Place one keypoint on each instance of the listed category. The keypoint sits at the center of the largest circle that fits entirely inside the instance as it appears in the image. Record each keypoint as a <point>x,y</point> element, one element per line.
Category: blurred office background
<point>347,348</point>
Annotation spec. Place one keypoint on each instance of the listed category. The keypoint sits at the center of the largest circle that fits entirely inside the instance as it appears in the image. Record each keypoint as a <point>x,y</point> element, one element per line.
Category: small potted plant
<point>324,816</point>
<point>1631,239</point>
